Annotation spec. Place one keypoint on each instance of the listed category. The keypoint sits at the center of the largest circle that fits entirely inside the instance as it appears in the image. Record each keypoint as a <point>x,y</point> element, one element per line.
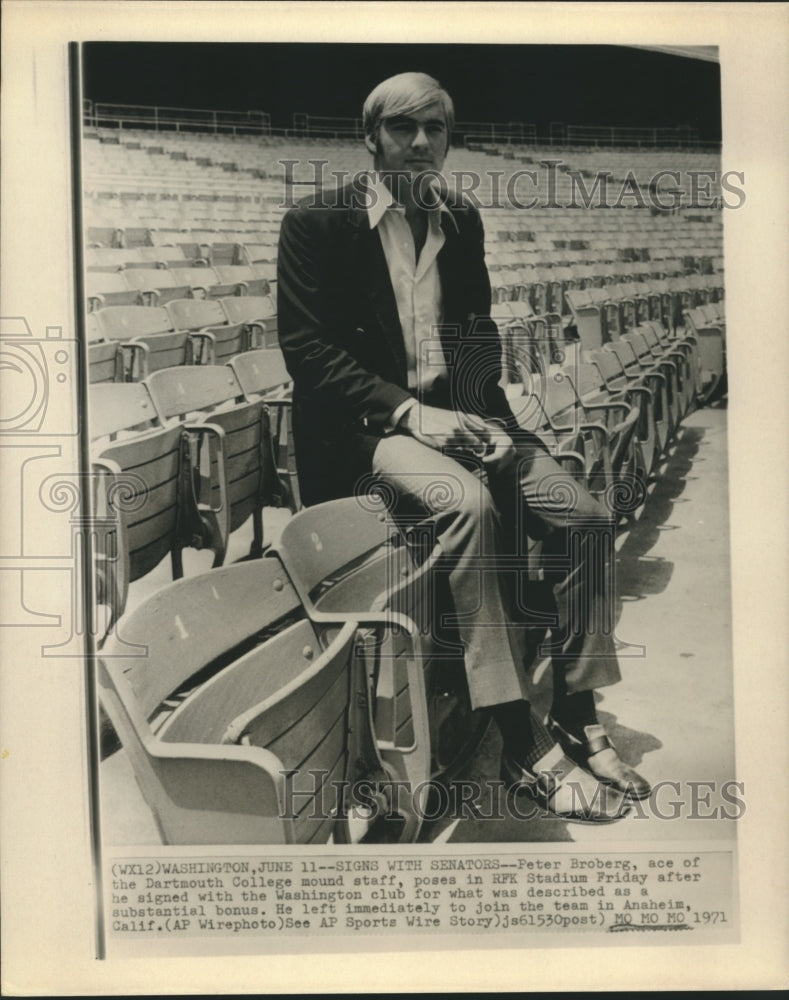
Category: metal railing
<point>158,118</point>
<point>306,126</point>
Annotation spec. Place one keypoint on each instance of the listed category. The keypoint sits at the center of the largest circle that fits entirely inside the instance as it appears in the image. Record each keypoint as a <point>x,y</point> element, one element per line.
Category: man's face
<point>413,143</point>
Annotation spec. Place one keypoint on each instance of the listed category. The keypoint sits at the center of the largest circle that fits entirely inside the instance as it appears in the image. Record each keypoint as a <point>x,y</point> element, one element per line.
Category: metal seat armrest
<point>111,587</point>
<point>207,345</point>
<point>216,520</point>
<point>136,350</point>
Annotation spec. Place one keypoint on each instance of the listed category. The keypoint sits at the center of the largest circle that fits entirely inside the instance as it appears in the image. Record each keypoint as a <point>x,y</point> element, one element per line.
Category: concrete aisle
<point>672,714</point>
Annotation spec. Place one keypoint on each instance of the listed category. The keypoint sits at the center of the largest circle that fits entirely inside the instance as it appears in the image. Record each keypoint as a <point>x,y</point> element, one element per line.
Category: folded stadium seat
<point>558,280</point>
<point>672,365</point>
<point>262,375</point>
<point>250,279</point>
<point>268,272</point>
<point>211,394</point>
<point>106,258</point>
<point>93,332</point>
<point>193,250</point>
<point>140,236</point>
<point>224,253</point>
<point>710,338</point>
<point>681,300</point>
<point>110,288</point>
<point>259,253</point>
<point>620,414</point>
<point>172,257</point>
<point>539,337</point>
<point>637,291</point>
<point>714,313</point>
<point>111,358</point>
<point>347,557</point>
<point>236,704</point>
<point>500,292</point>
<point>658,381</point>
<point>662,299</point>
<point>587,316</point>
<point>581,275</point>
<point>148,338</point>
<point>163,237</point>
<point>158,284</point>
<point>618,310</point>
<point>532,287</point>
<point>145,256</point>
<point>683,345</point>
<point>654,299</point>
<point>206,320</point>
<point>105,358</point>
<point>648,394</point>
<point>589,275</point>
<point>698,286</point>
<point>105,236</point>
<point>105,362</point>
<point>203,282</point>
<point>632,304</point>
<point>566,426</point>
<point>258,313</point>
<point>566,445</point>
<point>557,258</point>
<point>144,495</point>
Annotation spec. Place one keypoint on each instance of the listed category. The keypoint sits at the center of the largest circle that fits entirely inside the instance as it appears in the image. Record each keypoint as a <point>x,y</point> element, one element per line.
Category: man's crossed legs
<point>483,519</point>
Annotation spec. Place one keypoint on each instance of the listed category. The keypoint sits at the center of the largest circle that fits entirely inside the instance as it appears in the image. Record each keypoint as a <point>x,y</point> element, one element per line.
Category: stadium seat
<point>110,288</point>
<point>240,727</point>
<point>249,277</point>
<point>346,557</point>
<point>625,466</point>
<point>707,325</point>
<point>207,322</point>
<point>158,284</point>
<point>649,399</point>
<point>148,338</point>
<point>641,358</point>
<point>126,406</point>
<point>211,395</point>
<point>262,375</point>
<point>144,489</point>
<point>257,312</point>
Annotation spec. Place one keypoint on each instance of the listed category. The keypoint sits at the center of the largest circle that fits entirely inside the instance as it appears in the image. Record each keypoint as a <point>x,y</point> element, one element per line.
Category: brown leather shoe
<point>598,755</point>
<point>562,788</point>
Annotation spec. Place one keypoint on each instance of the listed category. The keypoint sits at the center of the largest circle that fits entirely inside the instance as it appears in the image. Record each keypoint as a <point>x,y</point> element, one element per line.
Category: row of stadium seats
<point>128,342</point>
<point>277,654</point>
<point>253,711</point>
<point>158,285</point>
<point>184,459</point>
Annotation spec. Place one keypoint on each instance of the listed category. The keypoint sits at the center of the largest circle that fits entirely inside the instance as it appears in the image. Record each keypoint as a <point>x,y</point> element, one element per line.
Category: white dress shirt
<point>416,285</point>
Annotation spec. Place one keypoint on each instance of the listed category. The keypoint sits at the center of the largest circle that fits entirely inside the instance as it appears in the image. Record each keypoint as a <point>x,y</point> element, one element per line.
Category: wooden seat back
<point>347,557</point>
<point>260,372</point>
<point>119,407</point>
<point>129,322</point>
<point>211,394</point>
<point>240,728</point>
<point>105,362</point>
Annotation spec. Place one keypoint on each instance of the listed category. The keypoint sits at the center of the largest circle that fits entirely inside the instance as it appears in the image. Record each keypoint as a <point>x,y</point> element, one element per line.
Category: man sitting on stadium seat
<point>384,302</point>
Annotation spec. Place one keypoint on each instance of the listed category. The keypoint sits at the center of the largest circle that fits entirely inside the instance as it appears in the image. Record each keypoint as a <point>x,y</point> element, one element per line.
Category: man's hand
<point>448,429</point>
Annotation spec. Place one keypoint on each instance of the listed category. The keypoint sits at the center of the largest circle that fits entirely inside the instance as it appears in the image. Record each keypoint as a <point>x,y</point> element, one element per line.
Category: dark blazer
<point>340,334</point>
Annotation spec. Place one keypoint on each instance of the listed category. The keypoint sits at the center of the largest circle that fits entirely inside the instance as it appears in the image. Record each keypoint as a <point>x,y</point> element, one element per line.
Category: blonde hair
<point>402,95</point>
